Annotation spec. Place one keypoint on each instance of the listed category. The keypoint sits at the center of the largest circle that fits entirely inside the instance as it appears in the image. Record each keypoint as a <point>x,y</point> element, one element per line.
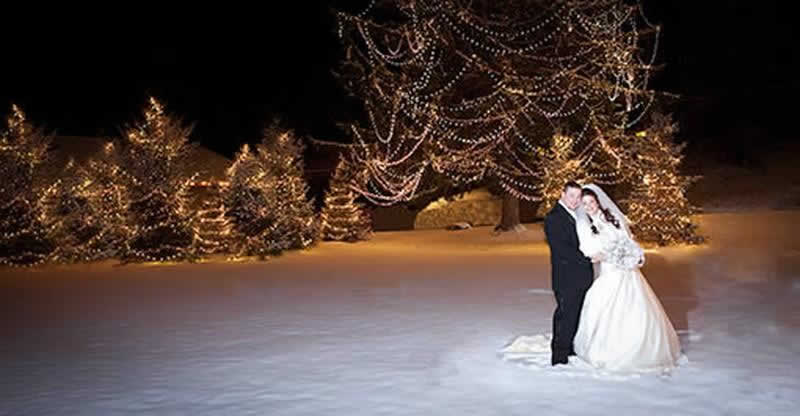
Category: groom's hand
<point>597,258</point>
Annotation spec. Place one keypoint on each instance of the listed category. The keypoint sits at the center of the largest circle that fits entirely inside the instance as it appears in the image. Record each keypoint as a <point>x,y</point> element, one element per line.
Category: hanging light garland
<point>444,84</point>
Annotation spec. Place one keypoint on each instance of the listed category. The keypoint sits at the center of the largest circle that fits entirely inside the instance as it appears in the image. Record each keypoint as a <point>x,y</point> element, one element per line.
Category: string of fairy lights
<point>494,88</point>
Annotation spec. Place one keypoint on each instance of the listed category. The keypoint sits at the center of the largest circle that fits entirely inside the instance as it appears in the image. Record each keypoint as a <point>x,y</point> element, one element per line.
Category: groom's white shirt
<point>571,212</point>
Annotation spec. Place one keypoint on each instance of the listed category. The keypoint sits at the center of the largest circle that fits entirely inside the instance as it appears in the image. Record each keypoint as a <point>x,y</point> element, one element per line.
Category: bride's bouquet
<point>625,253</point>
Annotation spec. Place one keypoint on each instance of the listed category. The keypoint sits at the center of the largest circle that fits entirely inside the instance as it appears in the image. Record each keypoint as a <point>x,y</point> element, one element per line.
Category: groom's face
<point>571,197</point>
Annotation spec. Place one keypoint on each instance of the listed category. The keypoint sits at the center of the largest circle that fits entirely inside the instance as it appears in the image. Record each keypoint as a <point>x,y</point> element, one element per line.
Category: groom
<point>572,271</point>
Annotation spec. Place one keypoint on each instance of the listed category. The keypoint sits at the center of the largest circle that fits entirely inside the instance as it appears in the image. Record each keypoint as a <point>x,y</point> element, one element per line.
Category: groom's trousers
<point>565,323</point>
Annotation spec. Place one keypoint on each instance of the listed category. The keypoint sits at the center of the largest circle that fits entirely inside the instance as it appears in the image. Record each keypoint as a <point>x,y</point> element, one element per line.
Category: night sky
<point>733,63</point>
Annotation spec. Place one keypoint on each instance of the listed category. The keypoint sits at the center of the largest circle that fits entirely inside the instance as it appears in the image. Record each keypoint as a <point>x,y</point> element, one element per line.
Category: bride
<point>623,326</point>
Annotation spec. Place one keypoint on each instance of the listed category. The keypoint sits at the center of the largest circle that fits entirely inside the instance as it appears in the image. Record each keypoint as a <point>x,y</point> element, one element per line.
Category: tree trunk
<point>510,219</point>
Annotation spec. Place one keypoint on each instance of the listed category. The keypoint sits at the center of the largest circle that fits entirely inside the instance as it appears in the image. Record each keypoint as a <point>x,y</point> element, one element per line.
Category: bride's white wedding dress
<point>623,326</point>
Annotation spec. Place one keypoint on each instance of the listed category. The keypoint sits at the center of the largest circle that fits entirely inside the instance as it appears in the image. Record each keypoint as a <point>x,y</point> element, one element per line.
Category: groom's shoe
<point>555,360</point>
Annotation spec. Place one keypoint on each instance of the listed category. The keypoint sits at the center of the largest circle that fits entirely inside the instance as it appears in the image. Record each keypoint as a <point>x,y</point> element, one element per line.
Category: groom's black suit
<point>572,277</point>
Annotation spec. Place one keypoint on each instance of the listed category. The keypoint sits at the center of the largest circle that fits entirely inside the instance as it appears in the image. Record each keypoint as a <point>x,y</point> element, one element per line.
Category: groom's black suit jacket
<point>572,271</point>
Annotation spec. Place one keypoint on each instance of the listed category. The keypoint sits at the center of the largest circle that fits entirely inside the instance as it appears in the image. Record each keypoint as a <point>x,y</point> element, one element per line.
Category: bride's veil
<point>606,202</point>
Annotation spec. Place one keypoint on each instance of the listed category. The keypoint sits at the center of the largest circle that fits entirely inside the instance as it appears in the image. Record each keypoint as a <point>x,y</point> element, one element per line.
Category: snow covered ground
<point>408,324</point>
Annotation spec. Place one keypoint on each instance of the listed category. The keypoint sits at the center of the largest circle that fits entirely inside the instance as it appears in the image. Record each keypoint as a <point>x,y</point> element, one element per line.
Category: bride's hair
<point>606,212</point>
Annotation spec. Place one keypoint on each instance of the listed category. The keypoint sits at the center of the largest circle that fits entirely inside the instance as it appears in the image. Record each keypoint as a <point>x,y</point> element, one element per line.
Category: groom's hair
<point>571,184</point>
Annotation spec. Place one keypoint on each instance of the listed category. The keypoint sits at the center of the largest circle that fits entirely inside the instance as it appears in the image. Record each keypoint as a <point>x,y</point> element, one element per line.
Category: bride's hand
<point>597,258</point>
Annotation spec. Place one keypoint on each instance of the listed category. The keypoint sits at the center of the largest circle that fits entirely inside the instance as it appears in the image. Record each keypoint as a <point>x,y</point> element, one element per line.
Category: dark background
<point>231,69</point>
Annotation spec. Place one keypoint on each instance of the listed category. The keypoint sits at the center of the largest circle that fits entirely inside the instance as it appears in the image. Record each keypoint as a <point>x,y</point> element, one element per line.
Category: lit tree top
<point>159,133</point>
<point>475,88</point>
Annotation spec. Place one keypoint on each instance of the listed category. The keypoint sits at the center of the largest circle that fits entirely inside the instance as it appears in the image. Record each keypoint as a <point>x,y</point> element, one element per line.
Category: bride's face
<point>590,204</point>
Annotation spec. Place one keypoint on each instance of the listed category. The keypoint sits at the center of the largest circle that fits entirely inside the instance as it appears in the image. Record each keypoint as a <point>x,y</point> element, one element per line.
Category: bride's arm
<point>589,244</point>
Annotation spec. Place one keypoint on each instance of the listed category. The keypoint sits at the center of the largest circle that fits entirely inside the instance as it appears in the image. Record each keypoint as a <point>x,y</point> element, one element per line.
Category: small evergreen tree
<point>342,219</point>
<point>24,226</point>
<point>252,206</point>
<point>658,207</point>
<point>152,159</point>
<point>297,221</point>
